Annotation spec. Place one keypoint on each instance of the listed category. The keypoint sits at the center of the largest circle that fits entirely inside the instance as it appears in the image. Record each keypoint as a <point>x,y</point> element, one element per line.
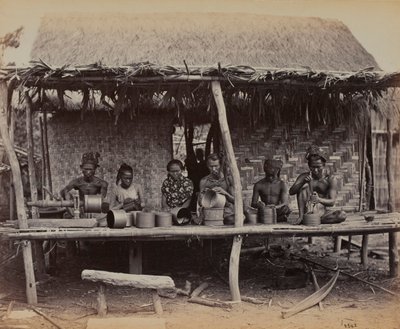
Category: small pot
<point>117,218</point>
<point>145,219</point>
<point>212,199</point>
<point>163,219</point>
<point>132,218</point>
<point>251,218</point>
<point>311,219</point>
<point>181,215</point>
<point>93,203</point>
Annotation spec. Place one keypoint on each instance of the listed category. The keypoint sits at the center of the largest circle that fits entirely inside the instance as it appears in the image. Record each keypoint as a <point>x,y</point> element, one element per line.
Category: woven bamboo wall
<point>379,140</point>
<point>143,142</point>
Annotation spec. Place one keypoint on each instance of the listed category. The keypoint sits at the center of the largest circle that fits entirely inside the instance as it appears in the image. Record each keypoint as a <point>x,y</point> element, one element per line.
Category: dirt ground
<point>70,302</point>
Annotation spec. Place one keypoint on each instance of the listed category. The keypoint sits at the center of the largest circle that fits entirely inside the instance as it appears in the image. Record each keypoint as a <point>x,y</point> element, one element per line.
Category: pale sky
<point>375,23</point>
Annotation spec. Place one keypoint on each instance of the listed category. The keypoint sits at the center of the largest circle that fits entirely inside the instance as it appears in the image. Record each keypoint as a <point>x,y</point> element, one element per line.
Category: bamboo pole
<point>11,126</point>
<point>237,240</point>
<point>46,153</point>
<point>38,245</point>
<point>30,150</point>
<point>44,181</point>
<point>393,251</point>
<point>19,196</point>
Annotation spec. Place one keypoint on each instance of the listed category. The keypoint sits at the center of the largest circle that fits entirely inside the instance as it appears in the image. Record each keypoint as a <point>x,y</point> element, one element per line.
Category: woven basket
<point>213,214</point>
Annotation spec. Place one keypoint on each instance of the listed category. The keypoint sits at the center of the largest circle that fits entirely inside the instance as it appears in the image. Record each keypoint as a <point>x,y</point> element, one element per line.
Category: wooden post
<point>44,194</point>
<point>46,153</point>
<point>12,190</point>
<point>101,301</point>
<point>38,245</point>
<point>157,303</point>
<point>19,196</point>
<point>364,250</point>
<point>393,251</point>
<point>135,257</point>
<point>237,240</point>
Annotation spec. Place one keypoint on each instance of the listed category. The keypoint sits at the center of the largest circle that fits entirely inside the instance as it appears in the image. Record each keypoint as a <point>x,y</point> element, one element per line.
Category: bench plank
<point>129,280</point>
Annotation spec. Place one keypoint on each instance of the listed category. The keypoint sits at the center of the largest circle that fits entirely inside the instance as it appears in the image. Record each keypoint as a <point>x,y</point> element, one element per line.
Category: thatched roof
<point>201,40</point>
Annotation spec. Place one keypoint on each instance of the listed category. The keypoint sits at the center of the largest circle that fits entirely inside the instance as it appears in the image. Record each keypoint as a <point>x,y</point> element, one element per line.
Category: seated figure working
<point>220,183</point>
<point>176,189</point>
<point>316,190</point>
<point>88,183</point>
<point>126,194</point>
<point>272,190</point>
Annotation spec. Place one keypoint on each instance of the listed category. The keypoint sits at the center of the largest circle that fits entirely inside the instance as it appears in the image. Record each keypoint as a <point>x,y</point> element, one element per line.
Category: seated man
<point>88,184</point>
<point>316,190</point>
<point>219,183</point>
<point>272,190</point>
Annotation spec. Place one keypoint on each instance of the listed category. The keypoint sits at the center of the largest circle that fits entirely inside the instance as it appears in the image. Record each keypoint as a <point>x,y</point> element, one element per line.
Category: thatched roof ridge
<point>199,39</point>
<point>97,76</point>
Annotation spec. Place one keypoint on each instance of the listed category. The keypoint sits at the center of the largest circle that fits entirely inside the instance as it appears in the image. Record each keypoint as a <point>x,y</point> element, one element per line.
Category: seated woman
<point>126,194</point>
<point>177,190</point>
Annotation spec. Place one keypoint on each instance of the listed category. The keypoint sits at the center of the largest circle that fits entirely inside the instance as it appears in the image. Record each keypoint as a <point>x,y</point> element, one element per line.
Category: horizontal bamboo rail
<point>355,225</point>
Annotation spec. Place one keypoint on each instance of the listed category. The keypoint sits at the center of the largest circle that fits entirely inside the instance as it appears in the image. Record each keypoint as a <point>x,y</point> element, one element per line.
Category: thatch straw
<point>200,39</point>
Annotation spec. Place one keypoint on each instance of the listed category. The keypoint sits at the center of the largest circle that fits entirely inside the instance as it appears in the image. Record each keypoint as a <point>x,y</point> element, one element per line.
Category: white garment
<point>120,194</point>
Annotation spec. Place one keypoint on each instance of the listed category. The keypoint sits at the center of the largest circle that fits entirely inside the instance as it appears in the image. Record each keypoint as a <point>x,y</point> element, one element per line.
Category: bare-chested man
<point>272,190</point>
<point>316,190</point>
<point>88,183</point>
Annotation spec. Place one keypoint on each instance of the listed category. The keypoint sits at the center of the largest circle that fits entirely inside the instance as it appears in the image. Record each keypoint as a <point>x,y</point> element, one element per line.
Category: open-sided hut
<point>136,75</point>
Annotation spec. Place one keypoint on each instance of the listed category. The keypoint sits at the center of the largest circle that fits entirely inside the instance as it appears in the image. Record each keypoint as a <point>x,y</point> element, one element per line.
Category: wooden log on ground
<point>46,317</point>
<point>209,302</point>
<point>226,139</point>
<point>101,301</point>
<point>157,303</point>
<point>252,300</point>
<point>16,174</point>
<point>203,286</point>
<point>129,280</point>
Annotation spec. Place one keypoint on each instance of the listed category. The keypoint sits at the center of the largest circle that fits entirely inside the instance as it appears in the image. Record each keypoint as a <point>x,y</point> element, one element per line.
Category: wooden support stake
<point>9,310</point>
<point>316,288</point>
<point>19,195</point>
<point>157,303</point>
<point>101,301</point>
<point>226,139</point>
<point>364,250</point>
<point>338,244</point>
<point>393,250</point>
<point>135,257</point>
